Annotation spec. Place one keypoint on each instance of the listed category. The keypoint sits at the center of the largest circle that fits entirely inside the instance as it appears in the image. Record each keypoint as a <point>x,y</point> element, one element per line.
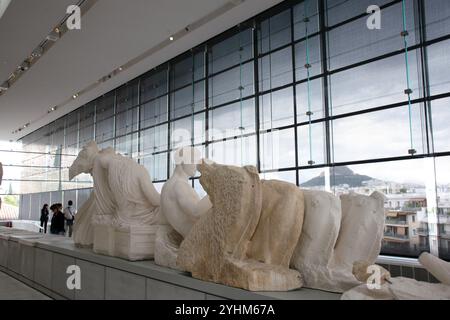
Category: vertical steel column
<point>329,159</point>
<point>294,90</point>
<point>256,89</point>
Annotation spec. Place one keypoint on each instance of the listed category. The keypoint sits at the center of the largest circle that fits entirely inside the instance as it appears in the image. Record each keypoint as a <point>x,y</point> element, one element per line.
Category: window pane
<point>375,84</point>
<point>154,84</point>
<point>105,106</point>
<point>311,94</point>
<point>307,9</point>
<point>128,145</point>
<point>238,152</point>
<point>127,96</point>
<point>314,149</point>
<point>87,116</point>
<point>404,184</point>
<point>187,100</point>
<point>278,149</point>
<point>276,109</point>
<point>287,176</point>
<point>377,135</point>
<point>127,121</point>
<point>354,42</point>
<point>156,165</point>
<point>313,179</point>
<point>188,131</point>
<point>437,17</point>
<point>232,120</point>
<point>439,66</point>
<point>57,135</point>
<point>231,51</point>
<point>312,48</point>
<point>231,85</point>
<point>275,69</point>
<point>104,130</point>
<point>275,32</point>
<point>443,193</point>
<point>440,115</point>
<point>154,112</point>
<point>71,139</point>
<point>182,72</point>
<point>104,127</point>
<point>341,10</point>
<point>154,140</point>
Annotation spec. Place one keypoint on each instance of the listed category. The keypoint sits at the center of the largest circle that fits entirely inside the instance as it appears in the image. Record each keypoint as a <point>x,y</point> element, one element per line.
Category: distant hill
<point>339,176</point>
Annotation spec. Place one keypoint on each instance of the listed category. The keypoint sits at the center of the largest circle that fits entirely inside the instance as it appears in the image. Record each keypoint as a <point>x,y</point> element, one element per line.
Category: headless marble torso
<point>180,204</point>
<point>127,187</point>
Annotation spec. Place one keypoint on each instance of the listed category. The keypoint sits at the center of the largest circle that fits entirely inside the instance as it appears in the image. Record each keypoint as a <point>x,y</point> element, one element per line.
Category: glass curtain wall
<point>307,93</point>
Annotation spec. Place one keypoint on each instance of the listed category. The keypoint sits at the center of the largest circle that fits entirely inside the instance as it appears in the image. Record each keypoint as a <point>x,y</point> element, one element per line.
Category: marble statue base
<point>132,243</point>
<point>167,244</point>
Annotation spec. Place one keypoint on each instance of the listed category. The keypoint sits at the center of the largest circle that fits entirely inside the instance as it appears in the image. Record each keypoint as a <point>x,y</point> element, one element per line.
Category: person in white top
<point>69,215</point>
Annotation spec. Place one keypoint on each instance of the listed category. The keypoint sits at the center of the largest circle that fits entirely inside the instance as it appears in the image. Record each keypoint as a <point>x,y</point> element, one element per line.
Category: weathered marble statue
<point>180,205</point>
<point>337,233</point>
<point>400,288</point>
<point>126,203</point>
<point>440,269</point>
<point>247,238</point>
<point>83,229</point>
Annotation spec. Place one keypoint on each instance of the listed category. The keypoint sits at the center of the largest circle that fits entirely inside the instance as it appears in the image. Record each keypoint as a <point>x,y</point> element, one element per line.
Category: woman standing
<point>44,218</point>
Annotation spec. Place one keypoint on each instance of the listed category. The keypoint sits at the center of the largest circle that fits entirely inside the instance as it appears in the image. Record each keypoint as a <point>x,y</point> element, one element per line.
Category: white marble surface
<point>124,200</point>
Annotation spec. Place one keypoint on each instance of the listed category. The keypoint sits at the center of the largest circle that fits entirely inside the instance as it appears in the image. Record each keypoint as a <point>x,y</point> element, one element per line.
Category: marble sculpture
<point>338,232</point>
<point>259,235</point>
<point>181,207</point>
<point>247,238</point>
<point>400,288</point>
<point>124,208</point>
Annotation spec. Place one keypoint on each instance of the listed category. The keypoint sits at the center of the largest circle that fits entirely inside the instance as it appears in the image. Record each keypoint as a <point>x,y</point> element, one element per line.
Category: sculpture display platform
<point>122,214</point>
<point>247,238</point>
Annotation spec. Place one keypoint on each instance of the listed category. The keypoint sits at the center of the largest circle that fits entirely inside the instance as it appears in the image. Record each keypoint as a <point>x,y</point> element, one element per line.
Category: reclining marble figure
<point>400,288</point>
<point>181,207</point>
<point>336,234</point>
<point>247,238</point>
<point>126,203</point>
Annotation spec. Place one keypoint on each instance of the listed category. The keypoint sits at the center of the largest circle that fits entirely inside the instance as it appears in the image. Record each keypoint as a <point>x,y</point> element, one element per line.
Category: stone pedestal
<point>127,242</point>
<point>104,239</point>
<point>135,243</point>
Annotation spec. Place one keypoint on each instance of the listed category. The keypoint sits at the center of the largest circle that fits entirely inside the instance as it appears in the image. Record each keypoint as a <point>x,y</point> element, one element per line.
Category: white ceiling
<point>112,33</point>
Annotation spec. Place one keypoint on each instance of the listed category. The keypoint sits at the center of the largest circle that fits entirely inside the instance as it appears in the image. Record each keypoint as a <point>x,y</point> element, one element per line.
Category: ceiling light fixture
<point>171,38</point>
<point>75,96</point>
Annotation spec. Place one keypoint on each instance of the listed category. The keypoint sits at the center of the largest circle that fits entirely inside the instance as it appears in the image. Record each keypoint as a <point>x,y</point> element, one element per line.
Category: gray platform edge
<point>120,279</point>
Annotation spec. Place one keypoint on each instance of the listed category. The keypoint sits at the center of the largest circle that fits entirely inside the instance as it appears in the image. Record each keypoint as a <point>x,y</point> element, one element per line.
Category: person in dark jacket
<point>57,226</point>
<point>44,218</point>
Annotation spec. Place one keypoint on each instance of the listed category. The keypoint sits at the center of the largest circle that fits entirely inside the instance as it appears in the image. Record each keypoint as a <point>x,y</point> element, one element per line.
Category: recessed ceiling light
<point>75,96</point>
<point>171,38</point>
<point>120,68</point>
